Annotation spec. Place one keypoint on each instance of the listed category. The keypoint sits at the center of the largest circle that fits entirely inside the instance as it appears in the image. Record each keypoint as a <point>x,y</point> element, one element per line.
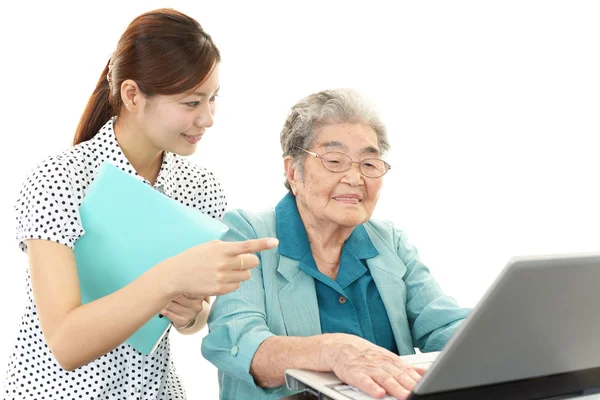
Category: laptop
<point>535,334</point>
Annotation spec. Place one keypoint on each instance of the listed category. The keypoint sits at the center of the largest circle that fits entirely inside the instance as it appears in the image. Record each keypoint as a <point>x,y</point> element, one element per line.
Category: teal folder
<point>130,227</point>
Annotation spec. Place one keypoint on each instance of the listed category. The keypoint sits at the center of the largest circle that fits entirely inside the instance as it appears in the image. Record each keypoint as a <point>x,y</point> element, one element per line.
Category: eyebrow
<point>334,144</point>
<point>202,94</point>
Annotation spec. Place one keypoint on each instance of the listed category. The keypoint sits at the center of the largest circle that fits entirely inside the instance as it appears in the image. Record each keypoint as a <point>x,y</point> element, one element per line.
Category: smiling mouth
<point>348,199</point>
<point>192,139</point>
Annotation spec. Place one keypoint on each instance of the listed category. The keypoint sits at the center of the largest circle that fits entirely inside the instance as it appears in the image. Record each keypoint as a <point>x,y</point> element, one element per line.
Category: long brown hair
<point>164,51</point>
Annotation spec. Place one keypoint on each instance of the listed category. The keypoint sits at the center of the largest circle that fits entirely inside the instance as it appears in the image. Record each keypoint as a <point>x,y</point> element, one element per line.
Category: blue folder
<point>130,227</point>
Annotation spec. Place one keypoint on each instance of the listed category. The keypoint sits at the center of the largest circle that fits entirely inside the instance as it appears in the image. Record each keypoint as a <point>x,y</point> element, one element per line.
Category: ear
<point>132,97</point>
<point>290,172</point>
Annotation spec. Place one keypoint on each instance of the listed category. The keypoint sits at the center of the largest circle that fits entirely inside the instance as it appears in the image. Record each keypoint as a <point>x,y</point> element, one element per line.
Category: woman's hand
<point>183,310</point>
<point>370,368</point>
<point>212,268</point>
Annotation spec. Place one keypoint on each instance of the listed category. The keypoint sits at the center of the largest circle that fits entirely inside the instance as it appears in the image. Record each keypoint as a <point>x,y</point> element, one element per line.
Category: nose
<point>353,176</point>
<point>205,116</point>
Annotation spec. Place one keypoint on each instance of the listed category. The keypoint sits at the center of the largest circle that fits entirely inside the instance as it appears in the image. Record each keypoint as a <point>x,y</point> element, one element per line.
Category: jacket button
<point>234,351</point>
<point>342,300</point>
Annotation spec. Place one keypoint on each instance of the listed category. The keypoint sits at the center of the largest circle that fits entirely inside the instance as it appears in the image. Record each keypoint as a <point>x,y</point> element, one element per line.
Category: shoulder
<point>187,170</point>
<point>197,186</point>
<point>200,180</point>
<point>385,234</point>
<point>264,217</point>
<point>254,223</point>
<point>387,237</point>
<point>383,230</point>
<point>48,203</point>
<point>60,172</point>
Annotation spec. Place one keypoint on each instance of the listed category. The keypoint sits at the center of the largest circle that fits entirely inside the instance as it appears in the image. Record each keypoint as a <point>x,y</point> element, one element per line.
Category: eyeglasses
<point>340,162</point>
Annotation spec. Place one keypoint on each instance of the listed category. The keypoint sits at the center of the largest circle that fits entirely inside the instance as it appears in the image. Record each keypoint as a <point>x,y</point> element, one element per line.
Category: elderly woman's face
<point>346,198</point>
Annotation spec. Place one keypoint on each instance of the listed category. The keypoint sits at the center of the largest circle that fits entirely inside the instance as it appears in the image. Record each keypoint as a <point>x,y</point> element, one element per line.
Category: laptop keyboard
<point>356,394</point>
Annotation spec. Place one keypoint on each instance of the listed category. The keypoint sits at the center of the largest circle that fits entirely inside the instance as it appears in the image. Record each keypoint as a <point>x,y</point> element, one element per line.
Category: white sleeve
<point>48,206</point>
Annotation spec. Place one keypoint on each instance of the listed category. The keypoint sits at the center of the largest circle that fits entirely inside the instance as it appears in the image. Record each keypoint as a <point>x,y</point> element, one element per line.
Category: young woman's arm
<point>76,333</point>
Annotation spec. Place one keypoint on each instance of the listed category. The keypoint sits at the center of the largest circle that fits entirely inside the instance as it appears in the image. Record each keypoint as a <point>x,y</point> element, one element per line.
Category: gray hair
<point>328,107</point>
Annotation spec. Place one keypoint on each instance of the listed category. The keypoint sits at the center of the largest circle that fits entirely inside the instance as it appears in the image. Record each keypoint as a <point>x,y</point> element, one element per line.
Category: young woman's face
<point>176,123</point>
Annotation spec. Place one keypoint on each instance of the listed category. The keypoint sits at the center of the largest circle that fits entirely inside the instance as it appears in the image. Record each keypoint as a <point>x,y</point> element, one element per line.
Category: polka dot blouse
<point>47,208</point>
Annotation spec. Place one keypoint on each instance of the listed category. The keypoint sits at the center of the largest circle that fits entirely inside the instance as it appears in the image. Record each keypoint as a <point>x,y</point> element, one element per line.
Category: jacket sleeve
<point>237,322</point>
<point>433,316</point>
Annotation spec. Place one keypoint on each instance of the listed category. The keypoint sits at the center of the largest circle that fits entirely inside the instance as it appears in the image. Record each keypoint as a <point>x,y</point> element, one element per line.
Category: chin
<point>183,152</point>
<point>351,220</point>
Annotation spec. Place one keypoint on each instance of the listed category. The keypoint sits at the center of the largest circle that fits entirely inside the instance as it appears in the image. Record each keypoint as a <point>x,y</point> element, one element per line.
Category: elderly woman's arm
<point>278,353</point>
<point>241,345</point>
<point>240,342</point>
<point>238,321</point>
<point>354,360</point>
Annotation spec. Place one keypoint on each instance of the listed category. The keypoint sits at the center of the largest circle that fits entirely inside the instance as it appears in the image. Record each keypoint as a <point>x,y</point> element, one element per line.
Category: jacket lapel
<point>387,271</point>
<point>298,299</point>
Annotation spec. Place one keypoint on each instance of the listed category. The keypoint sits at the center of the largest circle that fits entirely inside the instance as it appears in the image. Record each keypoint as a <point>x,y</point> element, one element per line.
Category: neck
<point>326,240</point>
<point>145,158</point>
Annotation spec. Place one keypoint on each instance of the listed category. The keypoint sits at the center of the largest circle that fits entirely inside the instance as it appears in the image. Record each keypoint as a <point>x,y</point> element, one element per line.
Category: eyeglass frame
<point>316,155</point>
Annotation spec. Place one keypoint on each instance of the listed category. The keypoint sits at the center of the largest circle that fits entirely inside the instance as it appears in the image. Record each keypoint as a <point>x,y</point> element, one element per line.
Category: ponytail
<point>97,111</point>
<point>164,51</point>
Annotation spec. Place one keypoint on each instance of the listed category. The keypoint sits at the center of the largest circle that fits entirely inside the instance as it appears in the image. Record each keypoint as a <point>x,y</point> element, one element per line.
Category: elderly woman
<point>342,292</point>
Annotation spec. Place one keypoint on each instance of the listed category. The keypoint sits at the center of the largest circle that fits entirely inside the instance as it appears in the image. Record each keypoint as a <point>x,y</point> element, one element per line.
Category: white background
<point>492,110</point>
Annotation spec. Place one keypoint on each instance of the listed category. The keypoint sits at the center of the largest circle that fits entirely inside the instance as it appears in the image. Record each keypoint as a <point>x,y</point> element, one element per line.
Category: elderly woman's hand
<point>370,368</point>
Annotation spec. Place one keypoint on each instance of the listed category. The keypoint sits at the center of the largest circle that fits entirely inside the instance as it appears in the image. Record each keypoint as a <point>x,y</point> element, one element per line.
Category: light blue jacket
<point>280,299</point>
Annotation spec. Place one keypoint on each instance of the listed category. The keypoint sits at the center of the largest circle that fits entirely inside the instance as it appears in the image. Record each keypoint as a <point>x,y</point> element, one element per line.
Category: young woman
<point>153,102</point>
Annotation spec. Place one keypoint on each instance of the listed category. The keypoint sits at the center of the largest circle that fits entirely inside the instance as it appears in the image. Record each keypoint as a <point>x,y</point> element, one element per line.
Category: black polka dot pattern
<point>47,208</point>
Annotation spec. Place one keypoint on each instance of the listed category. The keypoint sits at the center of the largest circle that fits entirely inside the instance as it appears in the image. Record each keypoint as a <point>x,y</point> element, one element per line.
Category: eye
<point>193,104</point>
<point>212,99</point>
<point>373,164</point>
<point>368,164</point>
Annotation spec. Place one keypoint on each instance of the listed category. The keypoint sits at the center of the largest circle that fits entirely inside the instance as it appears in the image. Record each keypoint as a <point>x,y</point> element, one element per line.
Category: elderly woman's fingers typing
<point>373,369</point>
